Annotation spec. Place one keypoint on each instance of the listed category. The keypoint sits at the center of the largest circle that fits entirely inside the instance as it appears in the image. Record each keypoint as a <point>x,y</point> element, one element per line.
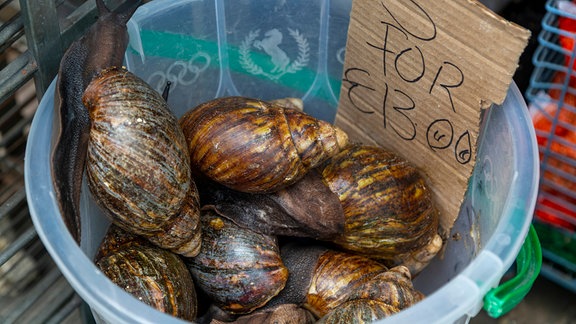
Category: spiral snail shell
<point>255,146</point>
<point>239,269</point>
<point>153,275</point>
<point>358,311</point>
<point>389,210</point>
<point>138,166</point>
<point>322,279</point>
<point>281,314</point>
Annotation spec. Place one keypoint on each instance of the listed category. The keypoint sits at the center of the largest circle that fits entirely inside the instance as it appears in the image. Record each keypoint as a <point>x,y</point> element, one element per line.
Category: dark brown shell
<point>153,275</point>
<point>256,146</point>
<point>138,163</point>
<point>388,206</point>
<point>239,269</point>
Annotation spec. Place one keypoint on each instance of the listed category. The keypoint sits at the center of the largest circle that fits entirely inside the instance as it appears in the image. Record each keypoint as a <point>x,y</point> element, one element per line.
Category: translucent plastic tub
<point>217,48</point>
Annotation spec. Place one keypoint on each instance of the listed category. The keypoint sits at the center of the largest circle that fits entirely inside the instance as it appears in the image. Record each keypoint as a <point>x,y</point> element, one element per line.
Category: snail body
<point>239,269</point>
<point>256,146</point>
<point>153,275</point>
<point>306,208</point>
<point>138,166</point>
<point>101,47</point>
<point>389,210</point>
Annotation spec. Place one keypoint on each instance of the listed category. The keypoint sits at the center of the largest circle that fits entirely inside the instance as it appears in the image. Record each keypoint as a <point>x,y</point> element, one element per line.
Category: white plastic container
<point>272,49</point>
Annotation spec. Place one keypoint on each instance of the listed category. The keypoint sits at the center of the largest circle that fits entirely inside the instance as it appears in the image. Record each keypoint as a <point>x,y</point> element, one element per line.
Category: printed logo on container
<point>269,55</point>
<point>180,73</point>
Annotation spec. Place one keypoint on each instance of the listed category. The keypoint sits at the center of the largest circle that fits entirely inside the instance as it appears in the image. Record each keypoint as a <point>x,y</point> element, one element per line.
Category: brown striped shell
<point>335,277</point>
<point>256,146</point>
<point>281,314</point>
<point>340,277</point>
<point>239,269</point>
<point>388,206</point>
<point>153,275</point>
<point>358,311</point>
<point>138,166</point>
<point>322,280</point>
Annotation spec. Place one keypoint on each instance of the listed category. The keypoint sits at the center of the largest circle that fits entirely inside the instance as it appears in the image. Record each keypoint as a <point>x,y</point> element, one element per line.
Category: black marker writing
<point>356,87</point>
<point>447,86</point>
<point>403,57</point>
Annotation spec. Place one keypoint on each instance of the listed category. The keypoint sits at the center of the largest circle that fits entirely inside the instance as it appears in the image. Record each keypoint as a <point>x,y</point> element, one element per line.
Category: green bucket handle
<point>500,300</point>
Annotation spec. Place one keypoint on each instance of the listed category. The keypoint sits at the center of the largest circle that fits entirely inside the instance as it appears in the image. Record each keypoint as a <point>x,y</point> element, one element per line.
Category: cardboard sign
<point>416,77</point>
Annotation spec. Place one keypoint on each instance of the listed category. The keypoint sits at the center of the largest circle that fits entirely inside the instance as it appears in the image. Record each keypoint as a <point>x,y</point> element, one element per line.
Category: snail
<point>306,208</point>
<point>281,314</point>
<point>358,311</point>
<point>102,46</point>
<point>151,274</point>
<point>389,210</point>
<point>321,279</point>
<point>256,146</point>
<point>239,269</point>
<point>138,167</point>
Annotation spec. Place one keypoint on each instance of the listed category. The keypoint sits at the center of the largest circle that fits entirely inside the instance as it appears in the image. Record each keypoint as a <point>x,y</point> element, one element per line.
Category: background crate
<point>552,98</point>
<point>33,37</point>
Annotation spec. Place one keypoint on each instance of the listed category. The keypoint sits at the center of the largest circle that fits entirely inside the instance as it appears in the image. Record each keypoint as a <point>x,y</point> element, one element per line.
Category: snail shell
<point>393,287</point>
<point>256,146</point>
<point>153,275</point>
<point>358,311</point>
<point>281,314</point>
<point>322,279</point>
<point>388,206</point>
<point>138,164</point>
<point>239,269</point>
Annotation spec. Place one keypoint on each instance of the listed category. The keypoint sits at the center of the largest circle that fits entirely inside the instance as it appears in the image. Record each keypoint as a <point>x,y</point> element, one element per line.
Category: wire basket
<point>552,98</point>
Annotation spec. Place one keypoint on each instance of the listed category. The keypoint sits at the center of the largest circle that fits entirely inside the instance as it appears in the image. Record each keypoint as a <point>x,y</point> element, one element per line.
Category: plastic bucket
<point>260,48</point>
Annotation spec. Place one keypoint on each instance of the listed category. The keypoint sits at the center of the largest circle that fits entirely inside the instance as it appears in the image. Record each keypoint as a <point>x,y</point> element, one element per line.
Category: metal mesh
<point>32,289</point>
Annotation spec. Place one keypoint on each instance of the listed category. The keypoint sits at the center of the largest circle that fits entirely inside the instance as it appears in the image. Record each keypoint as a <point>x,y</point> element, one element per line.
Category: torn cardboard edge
<point>416,77</point>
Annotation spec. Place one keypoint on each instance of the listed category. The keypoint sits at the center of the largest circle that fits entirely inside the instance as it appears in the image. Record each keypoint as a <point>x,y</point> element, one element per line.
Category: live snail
<point>257,146</point>
<point>239,269</point>
<point>137,166</point>
<point>154,275</point>
<point>101,47</point>
<point>389,210</point>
